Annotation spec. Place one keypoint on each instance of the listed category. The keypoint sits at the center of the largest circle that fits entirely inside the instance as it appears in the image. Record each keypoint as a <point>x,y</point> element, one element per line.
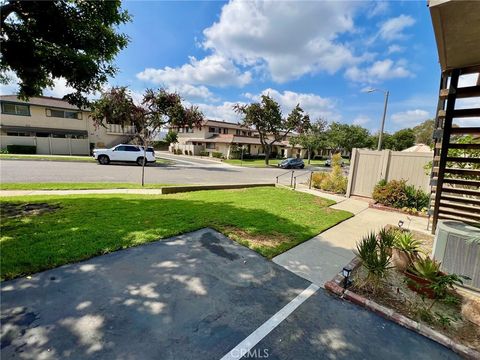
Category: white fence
<point>368,167</point>
<point>49,145</point>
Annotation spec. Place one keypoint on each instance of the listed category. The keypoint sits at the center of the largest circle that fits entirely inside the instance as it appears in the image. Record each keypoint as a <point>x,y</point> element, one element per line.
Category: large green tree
<point>70,39</point>
<point>401,140</point>
<point>312,138</point>
<point>346,137</point>
<point>424,132</point>
<point>398,141</point>
<point>158,110</point>
<point>266,118</point>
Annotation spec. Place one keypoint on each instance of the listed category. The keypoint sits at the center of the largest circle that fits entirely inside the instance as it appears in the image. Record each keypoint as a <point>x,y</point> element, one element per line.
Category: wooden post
<point>447,129</point>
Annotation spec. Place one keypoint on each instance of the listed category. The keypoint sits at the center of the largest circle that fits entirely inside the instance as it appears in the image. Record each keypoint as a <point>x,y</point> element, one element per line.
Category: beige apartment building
<point>54,126</point>
<point>222,136</point>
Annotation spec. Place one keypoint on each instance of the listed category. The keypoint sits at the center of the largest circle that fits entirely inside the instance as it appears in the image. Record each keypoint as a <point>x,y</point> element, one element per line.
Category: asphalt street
<point>195,296</point>
<point>183,170</point>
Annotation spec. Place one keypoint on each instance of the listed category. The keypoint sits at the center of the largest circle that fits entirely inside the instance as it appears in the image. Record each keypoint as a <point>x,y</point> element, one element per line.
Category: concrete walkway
<point>322,257</point>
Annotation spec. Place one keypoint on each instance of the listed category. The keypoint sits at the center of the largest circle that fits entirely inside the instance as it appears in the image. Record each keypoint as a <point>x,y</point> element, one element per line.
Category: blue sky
<point>319,54</point>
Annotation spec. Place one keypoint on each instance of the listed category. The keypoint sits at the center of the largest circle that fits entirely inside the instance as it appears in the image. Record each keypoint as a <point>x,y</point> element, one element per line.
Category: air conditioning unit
<point>457,247</point>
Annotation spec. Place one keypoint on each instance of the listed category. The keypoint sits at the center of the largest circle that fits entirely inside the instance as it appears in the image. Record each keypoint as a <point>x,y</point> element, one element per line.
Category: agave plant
<point>404,241</point>
<point>375,259</point>
<point>387,237</point>
<point>426,268</point>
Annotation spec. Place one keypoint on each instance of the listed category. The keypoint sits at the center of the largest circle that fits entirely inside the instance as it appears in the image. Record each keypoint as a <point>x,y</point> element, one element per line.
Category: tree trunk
<point>309,155</point>
<point>267,154</point>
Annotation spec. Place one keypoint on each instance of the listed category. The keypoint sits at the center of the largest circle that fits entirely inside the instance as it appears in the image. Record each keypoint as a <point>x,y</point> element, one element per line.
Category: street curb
<point>335,286</point>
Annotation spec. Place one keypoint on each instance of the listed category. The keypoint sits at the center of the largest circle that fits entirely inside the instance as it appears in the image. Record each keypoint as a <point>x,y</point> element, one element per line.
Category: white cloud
<point>192,92</point>
<point>379,70</point>
<point>377,8</point>
<point>392,29</point>
<point>59,89</point>
<point>410,117</point>
<point>213,70</point>
<point>12,86</point>
<point>361,120</point>
<point>220,112</point>
<point>315,105</point>
<point>256,32</point>
<point>392,49</point>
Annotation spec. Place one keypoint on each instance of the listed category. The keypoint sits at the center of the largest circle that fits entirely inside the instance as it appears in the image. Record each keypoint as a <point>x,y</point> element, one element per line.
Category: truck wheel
<point>103,160</point>
<point>140,161</point>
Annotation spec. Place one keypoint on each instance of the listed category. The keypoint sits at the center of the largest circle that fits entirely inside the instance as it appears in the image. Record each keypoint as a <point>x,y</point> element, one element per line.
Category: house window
<point>74,136</point>
<point>15,109</point>
<point>189,130</point>
<point>211,129</point>
<point>225,131</point>
<point>42,134</point>
<point>237,132</point>
<point>15,133</point>
<point>181,130</point>
<point>244,133</point>
<point>64,114</point>
<point>210,145</point>
<point>59,136</point>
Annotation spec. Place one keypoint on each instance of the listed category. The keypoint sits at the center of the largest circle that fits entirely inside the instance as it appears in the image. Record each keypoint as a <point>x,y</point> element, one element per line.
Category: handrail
<point>288,172</point>
<point>305,173</point>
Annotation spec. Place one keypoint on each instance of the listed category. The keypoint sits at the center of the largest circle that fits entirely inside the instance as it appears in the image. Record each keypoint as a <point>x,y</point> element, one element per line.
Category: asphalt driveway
<point>194,296</point>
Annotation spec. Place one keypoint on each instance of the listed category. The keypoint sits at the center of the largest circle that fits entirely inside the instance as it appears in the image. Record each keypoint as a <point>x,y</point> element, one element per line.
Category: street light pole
<point>380,136</point>
<point>379,147</point>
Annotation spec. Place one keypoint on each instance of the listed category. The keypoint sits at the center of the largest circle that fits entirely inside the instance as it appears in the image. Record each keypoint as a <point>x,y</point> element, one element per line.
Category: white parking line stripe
<point>254,338</point>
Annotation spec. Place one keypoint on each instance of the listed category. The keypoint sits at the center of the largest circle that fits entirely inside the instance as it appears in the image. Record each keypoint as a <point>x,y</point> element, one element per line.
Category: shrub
<point>333,181</point>
<point>21,149</point>
<point>397,194</point>
<point>318,178</point>
<point>217,154</point>
<point>204,153</point>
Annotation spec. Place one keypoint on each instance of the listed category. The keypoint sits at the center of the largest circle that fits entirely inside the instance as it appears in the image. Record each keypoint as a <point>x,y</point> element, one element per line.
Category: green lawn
<point>268,220</point>
<point>46,157</point>
<point>77,186</point>
<point>272,162</point>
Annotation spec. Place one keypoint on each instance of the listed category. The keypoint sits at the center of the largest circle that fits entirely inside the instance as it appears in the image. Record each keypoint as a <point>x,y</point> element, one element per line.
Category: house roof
<point>456,27</point>
<point>226,124</point>
<point>419,148</point>
<point>46,101</point>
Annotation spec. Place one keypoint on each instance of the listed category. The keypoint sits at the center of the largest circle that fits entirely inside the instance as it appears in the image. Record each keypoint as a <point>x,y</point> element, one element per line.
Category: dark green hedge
<point>21,149</point>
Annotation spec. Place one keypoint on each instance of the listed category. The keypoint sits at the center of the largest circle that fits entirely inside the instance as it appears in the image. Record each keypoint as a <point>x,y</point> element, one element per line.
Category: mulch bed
<point>391,209</point>
<point>395,301</point>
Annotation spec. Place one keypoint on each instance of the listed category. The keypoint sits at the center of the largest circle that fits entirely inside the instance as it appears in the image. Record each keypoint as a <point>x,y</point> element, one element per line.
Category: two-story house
<point>54,126</point>
<point>222,136</point>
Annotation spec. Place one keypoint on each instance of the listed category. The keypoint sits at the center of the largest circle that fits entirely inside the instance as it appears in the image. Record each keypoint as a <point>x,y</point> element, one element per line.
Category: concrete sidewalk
<point>322,257</point>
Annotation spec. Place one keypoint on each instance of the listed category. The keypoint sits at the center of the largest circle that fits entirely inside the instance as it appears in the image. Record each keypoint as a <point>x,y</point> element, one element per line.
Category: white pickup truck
<point>124,153</point>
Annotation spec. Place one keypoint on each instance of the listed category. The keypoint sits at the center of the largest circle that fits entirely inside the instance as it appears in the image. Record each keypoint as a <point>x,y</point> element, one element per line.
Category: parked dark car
<point>328,162</point>
<point>292,163</point>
